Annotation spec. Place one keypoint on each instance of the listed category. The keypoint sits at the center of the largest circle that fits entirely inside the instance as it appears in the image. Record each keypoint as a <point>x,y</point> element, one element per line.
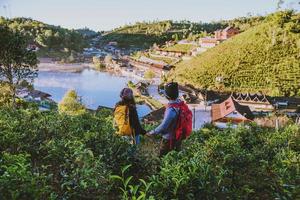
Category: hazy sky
<point>108,14</point>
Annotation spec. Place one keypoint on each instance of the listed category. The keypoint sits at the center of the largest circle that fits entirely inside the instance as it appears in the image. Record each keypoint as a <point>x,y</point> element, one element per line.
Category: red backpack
<point>184,125</point>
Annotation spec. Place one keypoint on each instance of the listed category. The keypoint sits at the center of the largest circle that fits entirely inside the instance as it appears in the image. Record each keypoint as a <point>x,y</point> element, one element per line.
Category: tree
<point>17,63</point>
<point>71,104</point>
<point>98,64</point>
<point>4,95</point>
<point>149,74</point>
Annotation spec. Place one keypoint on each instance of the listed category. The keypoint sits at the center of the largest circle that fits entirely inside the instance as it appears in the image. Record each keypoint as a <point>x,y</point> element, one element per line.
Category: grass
<point>164,59</point>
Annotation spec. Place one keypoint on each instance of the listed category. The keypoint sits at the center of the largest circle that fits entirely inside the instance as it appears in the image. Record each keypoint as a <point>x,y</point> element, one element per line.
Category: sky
<point>108,14</point>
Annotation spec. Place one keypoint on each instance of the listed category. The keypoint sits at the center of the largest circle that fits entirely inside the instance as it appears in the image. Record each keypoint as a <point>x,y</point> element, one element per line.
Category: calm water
<point>95,88</point>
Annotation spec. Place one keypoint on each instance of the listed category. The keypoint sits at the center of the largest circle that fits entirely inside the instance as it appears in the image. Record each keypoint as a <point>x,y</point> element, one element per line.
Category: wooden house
<point>230,111</point>
<point>256,102</point>
<point>226,33</point>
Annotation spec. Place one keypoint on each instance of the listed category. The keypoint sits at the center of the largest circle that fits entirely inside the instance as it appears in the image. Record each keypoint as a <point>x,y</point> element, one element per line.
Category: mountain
<point>264,58</point>
<point>47,37</point>
<point>145,34</point>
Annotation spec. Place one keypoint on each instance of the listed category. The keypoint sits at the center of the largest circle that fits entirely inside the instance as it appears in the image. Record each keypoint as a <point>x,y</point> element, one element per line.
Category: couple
<point>176,125</point>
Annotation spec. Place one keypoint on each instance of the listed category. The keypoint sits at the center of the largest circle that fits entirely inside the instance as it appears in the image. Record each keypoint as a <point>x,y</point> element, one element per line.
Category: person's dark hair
<point>127,97</point>
<point>129,102</point>
<point>171,90</point>
<point>126,93</point>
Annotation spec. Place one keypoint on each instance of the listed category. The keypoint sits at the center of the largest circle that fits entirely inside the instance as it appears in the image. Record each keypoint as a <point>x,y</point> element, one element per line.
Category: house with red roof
<point>220,35</point>
<point>230,111</point>
<point>226,33</point>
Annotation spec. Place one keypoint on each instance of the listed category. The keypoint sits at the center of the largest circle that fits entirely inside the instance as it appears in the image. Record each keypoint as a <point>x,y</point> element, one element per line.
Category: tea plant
<point>132,192</point>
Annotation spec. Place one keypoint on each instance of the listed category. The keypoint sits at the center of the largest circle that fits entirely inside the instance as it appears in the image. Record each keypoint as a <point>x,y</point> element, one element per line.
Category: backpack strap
<point>177,120</point>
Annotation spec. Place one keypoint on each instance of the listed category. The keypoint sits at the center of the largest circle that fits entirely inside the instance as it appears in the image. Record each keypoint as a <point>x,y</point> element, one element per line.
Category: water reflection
<point>95,88</point>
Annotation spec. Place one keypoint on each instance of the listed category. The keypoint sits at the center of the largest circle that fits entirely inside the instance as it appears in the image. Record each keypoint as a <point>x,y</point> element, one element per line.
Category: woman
<point>126,117</point>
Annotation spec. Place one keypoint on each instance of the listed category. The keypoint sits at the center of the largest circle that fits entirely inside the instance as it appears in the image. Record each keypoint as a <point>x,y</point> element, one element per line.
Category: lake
<point>94,87</point>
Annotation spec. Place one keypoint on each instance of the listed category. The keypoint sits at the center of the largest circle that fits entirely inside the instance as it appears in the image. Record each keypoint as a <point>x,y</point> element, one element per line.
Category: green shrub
<point>18,180</point>
<point>71,104</point>
<point>243,163</point>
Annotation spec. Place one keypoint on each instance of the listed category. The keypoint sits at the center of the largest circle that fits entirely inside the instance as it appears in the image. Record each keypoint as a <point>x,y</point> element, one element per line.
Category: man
<point>168,126</point>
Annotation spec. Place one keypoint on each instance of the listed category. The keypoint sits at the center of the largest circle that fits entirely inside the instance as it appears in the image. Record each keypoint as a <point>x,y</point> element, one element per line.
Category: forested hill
<point>45,36</point>
<point>145,34</point>
<point>264,58</point>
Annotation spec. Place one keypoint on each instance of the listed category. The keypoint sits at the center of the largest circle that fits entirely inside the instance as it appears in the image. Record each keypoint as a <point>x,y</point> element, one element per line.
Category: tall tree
<point>71,104</point>
<point>17,62</point>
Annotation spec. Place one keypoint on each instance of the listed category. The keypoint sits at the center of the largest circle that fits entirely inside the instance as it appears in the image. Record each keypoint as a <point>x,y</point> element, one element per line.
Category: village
<point>219,108</point>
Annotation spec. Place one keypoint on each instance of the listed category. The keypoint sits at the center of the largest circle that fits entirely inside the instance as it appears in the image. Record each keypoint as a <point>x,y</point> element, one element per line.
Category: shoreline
<point>57,67</point>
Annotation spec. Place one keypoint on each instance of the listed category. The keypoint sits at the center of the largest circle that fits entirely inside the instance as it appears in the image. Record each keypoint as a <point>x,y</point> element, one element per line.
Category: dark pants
<point>168,145</point>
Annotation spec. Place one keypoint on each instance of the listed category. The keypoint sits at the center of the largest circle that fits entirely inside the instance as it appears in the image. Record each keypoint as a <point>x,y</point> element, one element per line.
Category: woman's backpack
<point>121,119</point>
<point>184,125</point>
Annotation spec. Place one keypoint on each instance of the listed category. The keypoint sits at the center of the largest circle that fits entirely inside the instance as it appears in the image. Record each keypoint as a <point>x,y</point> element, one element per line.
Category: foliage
<point>131,85</point>
<point>264,58</point>
<point>71,104</point>
<point>46,155</point>
<point>17,63</point>
<point>132,192</point>
<point>149,74</point>
<point>47,37</point>
<point>145,34</point>
<point>5,94</point>
<point>98,64</point>
<point>244,163</point>
<point>17,181</point>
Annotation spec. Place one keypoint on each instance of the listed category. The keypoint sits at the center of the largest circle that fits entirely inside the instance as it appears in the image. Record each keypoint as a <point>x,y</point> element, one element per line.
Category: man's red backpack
<point>184,125</point>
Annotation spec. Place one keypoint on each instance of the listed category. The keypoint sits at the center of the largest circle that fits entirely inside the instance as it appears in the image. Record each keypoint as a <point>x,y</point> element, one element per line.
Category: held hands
<point>148,134</point>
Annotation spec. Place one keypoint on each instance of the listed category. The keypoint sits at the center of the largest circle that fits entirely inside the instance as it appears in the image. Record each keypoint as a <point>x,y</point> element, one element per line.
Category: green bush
<point>71,104</point>
<point>243,163</point>
<point>68,157</point>
<point>47,155</point>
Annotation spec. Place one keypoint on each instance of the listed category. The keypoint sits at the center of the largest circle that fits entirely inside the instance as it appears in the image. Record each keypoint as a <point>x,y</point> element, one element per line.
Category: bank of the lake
<point>94,87</point>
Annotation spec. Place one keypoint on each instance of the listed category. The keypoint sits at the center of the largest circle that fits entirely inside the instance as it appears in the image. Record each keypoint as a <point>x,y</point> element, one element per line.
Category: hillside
<point>144,35</point>
<point>264,58</point>
<point>52,40</point>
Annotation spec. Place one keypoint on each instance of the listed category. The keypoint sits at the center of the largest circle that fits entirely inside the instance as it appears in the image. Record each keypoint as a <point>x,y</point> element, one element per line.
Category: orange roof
<point>219,111</point>
<point>209,40</point>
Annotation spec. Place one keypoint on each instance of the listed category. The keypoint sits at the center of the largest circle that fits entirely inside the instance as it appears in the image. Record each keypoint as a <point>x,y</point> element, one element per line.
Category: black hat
<point>171,90</point>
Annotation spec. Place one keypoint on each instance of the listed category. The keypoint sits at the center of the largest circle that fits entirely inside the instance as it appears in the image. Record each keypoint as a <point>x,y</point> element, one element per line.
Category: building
<point>226,33</point>
<point>141,64</point>
<point>176,54</point>
<point>230,111</point>
<point>256,102</point>
<point>113,43</point>
<point>209,42</point>
<point>142,88</point>
<point>208,97</point>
